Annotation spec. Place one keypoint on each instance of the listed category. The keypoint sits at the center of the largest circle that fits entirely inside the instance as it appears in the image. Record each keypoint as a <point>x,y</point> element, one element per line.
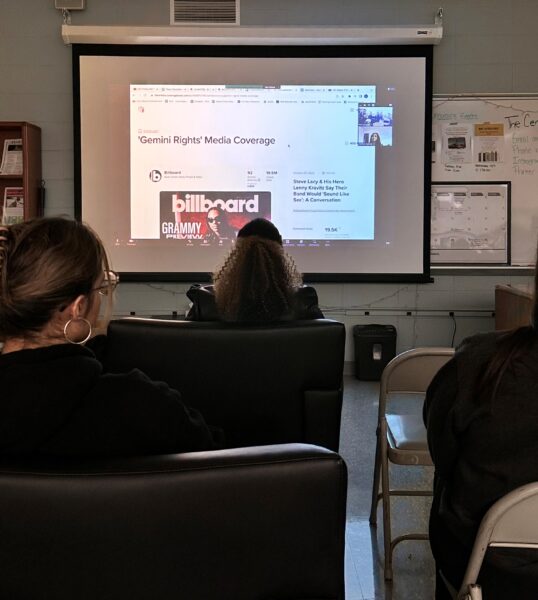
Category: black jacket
<point>57,401</point>
<point>481,451</point>
<point>204,307</point>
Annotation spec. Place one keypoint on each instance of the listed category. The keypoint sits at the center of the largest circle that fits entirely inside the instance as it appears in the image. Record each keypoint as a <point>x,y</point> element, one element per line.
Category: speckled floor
<point>413,566</point>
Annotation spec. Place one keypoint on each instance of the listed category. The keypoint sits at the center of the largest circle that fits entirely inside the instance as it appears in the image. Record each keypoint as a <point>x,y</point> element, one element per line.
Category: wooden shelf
<point>30,179</point>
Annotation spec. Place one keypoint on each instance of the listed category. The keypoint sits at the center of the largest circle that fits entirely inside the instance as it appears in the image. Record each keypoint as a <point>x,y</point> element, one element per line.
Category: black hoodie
<point>56,401</point>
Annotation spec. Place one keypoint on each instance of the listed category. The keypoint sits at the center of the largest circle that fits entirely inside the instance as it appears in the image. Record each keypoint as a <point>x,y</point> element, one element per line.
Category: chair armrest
<point>322,410</point>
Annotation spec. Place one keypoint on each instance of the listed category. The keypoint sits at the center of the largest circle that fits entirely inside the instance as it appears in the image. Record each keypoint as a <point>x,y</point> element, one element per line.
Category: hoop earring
<point>66,326</point>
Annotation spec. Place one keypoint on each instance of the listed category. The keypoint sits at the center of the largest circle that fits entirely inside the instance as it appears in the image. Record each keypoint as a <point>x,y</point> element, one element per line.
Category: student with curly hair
<point>257,283</point>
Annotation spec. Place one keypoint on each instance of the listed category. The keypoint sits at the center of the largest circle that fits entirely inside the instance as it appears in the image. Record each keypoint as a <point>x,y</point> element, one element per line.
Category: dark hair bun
<point>262,228</point>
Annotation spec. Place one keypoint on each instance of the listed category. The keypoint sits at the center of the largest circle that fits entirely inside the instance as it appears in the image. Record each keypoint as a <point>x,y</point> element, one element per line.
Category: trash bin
<point>375,346</point>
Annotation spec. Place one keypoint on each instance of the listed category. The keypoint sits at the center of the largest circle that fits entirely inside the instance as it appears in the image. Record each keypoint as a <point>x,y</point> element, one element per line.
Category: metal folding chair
<point>401,438</point>
<point>510,523</point>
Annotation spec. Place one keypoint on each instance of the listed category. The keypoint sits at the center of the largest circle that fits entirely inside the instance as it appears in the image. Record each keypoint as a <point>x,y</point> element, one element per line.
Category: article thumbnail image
<point>375,125</point>
<point>210,217</point>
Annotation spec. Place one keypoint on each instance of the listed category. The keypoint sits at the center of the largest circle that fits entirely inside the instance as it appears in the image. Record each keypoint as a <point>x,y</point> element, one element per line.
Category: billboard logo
<point>155,175</point>
<point>242,202</point>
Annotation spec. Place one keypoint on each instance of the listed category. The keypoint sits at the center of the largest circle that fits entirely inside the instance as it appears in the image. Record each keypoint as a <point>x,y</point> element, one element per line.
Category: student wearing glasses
<point>55,399</point>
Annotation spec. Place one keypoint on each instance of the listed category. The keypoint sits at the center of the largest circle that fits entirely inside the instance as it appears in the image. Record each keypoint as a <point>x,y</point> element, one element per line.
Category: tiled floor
<point>412,563</point>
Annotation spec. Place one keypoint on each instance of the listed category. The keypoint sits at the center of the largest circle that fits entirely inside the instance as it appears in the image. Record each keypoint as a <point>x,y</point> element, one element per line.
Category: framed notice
<point>470,223</point>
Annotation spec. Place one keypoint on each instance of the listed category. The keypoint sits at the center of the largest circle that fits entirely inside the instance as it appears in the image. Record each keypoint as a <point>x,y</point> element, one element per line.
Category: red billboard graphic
<point>210,216</point>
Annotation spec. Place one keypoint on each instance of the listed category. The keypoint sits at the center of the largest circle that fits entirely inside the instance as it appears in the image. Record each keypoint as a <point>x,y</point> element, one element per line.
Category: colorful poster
<point>211,217</point>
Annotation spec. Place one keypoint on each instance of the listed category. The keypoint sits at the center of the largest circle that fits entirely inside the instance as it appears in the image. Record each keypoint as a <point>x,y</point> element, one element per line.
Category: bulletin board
<point>492,138</point>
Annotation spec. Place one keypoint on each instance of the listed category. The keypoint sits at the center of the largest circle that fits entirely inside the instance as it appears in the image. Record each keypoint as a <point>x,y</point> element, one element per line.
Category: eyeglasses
<point>109,284</point>
<point>214,220</point>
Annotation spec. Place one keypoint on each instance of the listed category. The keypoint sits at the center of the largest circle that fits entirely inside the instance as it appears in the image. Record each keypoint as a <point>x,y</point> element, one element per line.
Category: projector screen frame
<point>274,51</point>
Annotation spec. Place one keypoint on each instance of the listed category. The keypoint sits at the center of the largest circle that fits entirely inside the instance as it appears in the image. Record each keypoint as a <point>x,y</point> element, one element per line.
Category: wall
<point>488,46</point>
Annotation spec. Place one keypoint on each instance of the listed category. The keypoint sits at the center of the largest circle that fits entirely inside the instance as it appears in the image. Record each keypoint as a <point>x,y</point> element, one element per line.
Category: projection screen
<point>177,147</point>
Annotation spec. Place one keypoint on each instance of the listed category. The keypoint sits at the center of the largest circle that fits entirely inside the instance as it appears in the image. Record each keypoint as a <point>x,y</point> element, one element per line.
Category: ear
<point>78,308</point>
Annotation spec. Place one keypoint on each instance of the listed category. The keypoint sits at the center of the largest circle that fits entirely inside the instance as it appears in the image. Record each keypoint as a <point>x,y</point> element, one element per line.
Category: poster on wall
<point>470,223</point>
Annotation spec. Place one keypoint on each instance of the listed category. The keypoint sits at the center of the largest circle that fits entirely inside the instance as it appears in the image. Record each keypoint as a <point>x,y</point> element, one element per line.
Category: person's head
<point>53,273</point>
<point>261,228</point>
<point>374,138</point>
<point>216,221</point>
<point>258,279</point>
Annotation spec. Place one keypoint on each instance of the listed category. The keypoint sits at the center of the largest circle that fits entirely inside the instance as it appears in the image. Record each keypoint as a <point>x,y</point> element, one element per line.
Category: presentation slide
<point>243,152</point>
<point>177,153</point>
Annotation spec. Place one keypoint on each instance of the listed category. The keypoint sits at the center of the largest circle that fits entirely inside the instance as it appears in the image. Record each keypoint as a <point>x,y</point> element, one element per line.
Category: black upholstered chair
<point>264,384</point>
<point>247,524</point>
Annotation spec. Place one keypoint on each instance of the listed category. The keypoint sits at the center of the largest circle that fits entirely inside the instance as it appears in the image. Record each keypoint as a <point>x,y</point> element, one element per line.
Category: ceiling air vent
<point>206,12</point>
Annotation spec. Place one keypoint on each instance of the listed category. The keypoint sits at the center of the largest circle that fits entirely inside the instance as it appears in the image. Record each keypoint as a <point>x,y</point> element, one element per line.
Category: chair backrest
<point>411,372</point>
<point>510,523</point>
<point>243,524</point>
<point>263,384</point>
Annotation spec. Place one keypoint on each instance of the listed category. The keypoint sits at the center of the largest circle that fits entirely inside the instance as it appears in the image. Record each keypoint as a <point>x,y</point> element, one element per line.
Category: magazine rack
<point>26,183</point>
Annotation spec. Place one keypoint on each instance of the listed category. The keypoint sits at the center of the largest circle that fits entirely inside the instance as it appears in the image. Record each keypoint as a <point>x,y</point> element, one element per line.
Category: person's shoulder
<point>134,389</point>
<point>204,307</point>
<point>479,344</point>
<point>306,303</point>
<point>199,291</point>
<point>474,353</point>
<point>306,291</point>
<point>98,345</point>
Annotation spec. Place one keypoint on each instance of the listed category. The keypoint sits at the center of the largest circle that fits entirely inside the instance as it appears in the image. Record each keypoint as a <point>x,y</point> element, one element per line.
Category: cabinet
<point>30,178</point>
<point>513,307</point>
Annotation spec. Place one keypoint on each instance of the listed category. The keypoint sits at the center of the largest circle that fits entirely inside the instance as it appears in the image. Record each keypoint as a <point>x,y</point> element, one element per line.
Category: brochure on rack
<point>11,157</point>
<point>13,206</point>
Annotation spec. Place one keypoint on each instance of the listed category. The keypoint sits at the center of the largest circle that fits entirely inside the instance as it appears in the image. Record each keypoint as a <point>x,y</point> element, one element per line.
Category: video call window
<point>375,125</point>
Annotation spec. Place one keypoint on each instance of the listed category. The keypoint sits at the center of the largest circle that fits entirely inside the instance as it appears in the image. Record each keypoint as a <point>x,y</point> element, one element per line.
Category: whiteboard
<point>492,138</point>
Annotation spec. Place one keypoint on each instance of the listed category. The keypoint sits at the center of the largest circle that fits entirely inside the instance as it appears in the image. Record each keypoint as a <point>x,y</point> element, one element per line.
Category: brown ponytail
<point>44,265</point>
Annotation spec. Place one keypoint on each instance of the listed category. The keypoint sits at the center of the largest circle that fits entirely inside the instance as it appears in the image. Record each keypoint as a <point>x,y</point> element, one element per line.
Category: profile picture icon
<point>155,175</point>
<point>375,139</point>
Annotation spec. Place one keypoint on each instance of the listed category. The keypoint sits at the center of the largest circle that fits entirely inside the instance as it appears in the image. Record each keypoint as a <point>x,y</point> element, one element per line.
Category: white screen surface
<point>178,152</point>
